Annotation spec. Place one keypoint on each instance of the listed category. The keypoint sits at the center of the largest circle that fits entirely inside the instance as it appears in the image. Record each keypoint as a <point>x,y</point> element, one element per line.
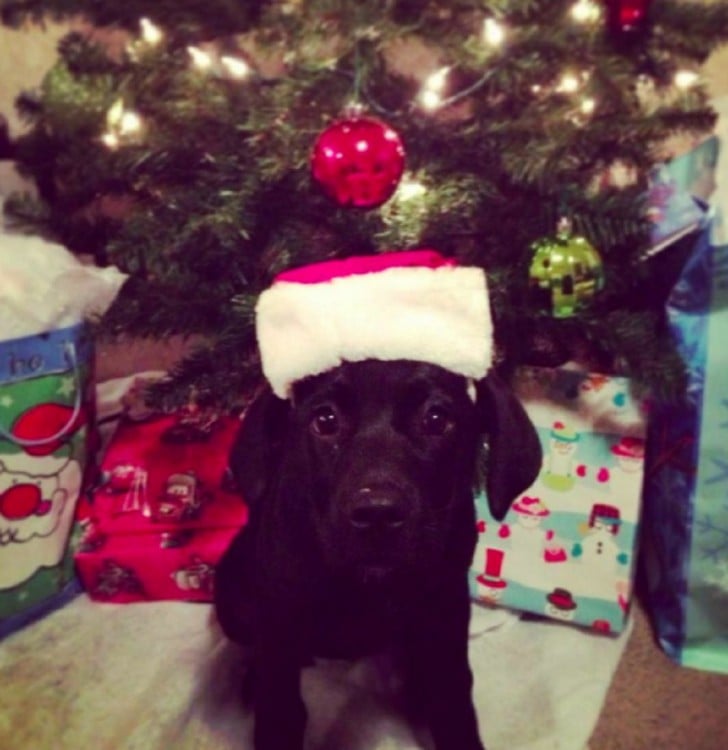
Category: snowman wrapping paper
<point>46,412</point>
<point>566,549</point>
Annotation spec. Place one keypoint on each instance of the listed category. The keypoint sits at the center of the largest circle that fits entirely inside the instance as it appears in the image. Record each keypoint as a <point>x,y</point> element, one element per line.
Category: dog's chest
<point>357,622</point>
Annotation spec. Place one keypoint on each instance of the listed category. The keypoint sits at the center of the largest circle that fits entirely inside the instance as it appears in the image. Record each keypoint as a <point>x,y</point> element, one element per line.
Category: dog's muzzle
<point>378,509</point>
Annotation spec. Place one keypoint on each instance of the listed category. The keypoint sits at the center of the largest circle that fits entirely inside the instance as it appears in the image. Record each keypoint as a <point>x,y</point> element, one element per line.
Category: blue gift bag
<point>686,488</point>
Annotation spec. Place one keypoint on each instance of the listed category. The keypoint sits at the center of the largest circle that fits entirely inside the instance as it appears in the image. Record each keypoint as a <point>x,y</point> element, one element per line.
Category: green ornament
<point>566,272</point>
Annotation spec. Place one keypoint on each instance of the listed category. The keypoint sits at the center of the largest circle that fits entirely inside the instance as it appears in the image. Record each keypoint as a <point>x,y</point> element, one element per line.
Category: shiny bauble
<point>566,273</point>
<point>358,162</point>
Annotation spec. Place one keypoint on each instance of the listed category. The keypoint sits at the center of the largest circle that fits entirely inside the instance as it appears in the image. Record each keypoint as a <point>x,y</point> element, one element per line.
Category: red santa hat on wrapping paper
<point>414,305</point>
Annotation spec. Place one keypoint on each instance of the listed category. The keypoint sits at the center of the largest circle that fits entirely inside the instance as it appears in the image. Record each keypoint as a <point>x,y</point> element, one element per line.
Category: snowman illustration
<point>630,454</point>
<point>490,583</point>
<point>560,605</point>
<point>558,473</point>
<point>528,534</point>
<point>530,512</point>
<point>39,486</point>
<point>599,546</point>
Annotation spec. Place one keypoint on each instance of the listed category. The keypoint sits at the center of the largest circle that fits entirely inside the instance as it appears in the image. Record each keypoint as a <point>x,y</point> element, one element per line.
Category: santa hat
<point>414,305</point>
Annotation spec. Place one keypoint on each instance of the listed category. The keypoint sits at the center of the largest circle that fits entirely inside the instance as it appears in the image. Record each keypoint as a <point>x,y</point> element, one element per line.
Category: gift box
<point>566,548</point>
<point>164,512</point>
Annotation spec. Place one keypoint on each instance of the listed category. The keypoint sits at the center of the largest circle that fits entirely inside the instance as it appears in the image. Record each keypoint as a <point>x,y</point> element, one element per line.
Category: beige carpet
<point>655,704</point>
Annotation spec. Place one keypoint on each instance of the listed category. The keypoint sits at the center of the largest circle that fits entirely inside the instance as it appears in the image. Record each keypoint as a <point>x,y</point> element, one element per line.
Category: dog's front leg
<point>438,672</point>
<point>280,715</point>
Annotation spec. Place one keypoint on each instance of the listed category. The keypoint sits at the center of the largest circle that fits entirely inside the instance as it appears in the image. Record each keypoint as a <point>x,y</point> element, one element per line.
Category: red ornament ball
<point>358,162</point>
<point>628,19</point>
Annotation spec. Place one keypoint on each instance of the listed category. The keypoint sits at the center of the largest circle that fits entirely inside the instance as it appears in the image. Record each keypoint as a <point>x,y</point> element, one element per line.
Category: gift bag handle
<point>70,352</point>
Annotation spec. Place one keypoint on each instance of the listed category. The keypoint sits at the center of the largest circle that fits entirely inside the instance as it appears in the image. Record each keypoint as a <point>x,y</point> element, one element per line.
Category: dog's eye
<point>325,421</point>
<point>437,421</point>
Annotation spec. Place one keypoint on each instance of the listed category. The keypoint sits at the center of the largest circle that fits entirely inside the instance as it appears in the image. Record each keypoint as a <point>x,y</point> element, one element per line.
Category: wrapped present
<point>566,548</point>
<point>164,512</point>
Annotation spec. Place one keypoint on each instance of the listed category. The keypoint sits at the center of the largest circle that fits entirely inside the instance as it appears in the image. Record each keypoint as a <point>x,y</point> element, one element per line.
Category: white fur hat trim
<point>436,315</point>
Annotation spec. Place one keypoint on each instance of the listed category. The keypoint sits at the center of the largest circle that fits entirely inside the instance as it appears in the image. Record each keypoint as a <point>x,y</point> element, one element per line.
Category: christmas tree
<point>200,156</point>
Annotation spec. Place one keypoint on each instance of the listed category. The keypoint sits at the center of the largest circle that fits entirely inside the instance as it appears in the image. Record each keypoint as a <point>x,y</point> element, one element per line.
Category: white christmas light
<point>685,79</point>
<point>621,174</point>
<point>110,140</point>
<point>235,66</point>
<point>431,94</point>
<point>151,34</point>
<point>409,189</point>
<point>115,113</point>
<point>568,84</point>
<point>430,99</point>
<point>122,125</point>
<point>494,33</point>
<point>200,58</point>
<point>585,11</point>
<point>130,123</point>
<point>588,105</point>
<point>438,79</point>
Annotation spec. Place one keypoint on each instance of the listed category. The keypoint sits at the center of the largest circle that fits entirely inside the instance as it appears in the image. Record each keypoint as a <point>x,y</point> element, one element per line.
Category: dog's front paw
<point>461,743</point>
<point>279,737</point>
<point>283,732</point>
<point>463,735</point>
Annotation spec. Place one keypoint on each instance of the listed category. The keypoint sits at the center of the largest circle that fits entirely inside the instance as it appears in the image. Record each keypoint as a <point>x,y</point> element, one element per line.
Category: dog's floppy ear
<point>257,447</point>
<point>514,450</point>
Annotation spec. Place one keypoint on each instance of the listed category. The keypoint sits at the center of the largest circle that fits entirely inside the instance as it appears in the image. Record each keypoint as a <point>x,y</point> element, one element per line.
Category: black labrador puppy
<point>361,532</point>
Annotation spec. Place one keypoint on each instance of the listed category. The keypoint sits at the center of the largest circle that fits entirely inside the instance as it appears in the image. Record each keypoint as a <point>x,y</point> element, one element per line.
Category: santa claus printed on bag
<point>38,487</point>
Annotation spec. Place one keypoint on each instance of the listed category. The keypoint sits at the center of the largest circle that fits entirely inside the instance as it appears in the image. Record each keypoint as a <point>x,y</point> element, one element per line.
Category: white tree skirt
<point>157,676</point>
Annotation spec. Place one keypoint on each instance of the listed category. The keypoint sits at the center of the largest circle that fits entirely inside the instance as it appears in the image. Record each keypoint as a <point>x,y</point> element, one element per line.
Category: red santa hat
<point>413,305</point>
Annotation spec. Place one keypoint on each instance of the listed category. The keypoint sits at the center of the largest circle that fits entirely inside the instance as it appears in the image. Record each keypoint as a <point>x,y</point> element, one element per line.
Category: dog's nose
<point>378,509</point>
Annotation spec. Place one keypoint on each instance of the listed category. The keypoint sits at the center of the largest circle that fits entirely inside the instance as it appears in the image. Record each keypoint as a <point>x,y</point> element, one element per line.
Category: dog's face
<point>380,457</point>
<point>390,448</point>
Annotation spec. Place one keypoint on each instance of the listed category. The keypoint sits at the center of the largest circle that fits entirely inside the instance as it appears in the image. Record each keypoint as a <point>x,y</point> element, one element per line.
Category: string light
<point>409,189</point>
<point>151,34</point>
<point>110,140</point>
<point>588,105</point>
<point>585,11</point>
<point>494,33</point>
<point>200,58</point>
<point>431,94</point>
<point>685,79</point>
<point>235,66</point>
<point>130,123</point>
<point>438,79</point>
<point>123,125</point>
<point>569,84</point>
<point>114,115</point>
